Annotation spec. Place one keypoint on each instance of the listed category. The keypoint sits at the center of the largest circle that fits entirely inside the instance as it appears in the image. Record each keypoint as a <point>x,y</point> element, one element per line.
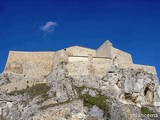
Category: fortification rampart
<point>121,57</point>
<point>148,69</point>
<point>84,65</point>
<point>32,67</point>
<point>31,64</point>
<point>80,51</point>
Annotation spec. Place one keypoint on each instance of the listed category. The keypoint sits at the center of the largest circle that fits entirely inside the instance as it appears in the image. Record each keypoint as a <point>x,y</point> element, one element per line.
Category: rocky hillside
<point>122,94</point>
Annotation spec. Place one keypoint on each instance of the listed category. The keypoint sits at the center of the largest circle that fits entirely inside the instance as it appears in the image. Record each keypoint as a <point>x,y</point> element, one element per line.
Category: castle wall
<point>124,60</point>
<point>121,57</point>
<point>75,59</point>
<point>32,67</point>
<point>149,69</point>
<point>77,66</point>
<point>83,66</point>
<point>80,51</point>
<point>100,66</point>
<point>31,64</point>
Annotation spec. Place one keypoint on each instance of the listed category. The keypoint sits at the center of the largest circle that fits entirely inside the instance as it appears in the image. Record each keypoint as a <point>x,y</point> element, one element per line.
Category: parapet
<point>80,51</point>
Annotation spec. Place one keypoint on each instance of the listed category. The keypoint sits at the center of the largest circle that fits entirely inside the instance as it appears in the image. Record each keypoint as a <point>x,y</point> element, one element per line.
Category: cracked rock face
<point>119,95</point>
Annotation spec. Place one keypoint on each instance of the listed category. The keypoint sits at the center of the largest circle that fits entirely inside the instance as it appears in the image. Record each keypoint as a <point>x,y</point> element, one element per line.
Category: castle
<point>32,67</point>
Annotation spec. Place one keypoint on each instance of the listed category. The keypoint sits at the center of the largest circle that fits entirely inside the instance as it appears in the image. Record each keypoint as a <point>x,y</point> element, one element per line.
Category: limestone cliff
<point>78,83</point>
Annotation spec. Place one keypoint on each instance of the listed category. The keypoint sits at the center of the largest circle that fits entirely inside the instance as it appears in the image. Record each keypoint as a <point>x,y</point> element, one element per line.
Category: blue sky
<point>131,25</point>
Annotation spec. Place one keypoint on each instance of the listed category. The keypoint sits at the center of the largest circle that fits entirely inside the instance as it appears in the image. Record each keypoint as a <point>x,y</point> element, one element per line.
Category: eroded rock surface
<point>88,97</point>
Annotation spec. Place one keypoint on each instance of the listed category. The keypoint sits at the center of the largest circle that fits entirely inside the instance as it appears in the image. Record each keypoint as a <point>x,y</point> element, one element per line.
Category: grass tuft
<point>38,89</point>
<point>145,110</point>
<point>98,100</point>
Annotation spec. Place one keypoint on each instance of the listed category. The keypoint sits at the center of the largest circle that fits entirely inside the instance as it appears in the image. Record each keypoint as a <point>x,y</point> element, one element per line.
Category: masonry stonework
<point>79,61</point>
<point>31,64</point>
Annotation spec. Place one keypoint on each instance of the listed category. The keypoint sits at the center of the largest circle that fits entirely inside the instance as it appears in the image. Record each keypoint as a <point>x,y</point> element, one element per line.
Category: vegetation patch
<point>98,100</point>
<point>145,110</point>
<point>44,98</point>
<point>88,100</point>
<point>38,89</point>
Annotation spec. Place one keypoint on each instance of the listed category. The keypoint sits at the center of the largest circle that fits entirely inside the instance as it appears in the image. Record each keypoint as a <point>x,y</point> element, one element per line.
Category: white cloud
<point>48,27</point>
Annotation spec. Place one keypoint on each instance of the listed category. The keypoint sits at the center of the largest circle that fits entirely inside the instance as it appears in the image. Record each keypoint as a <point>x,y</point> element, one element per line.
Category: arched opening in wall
<point>15,88</point>
<point>148,95</point>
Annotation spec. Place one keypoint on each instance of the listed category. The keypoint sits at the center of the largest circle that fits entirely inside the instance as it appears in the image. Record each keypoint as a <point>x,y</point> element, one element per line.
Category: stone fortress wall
<point>35,66</point>
<point>99,62</point>
<point>30,64</point>
<point>30,68</point>
<point>83,65</point>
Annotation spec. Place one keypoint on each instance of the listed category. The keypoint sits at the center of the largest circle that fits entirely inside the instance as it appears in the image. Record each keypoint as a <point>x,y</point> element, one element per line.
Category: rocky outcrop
<point>122,94</point>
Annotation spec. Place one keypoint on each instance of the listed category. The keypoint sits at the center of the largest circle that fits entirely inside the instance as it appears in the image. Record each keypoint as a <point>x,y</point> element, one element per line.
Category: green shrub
<point>98,100</point>
<point>145,110</point>
<point>88,101</point>
<point>44,98</point>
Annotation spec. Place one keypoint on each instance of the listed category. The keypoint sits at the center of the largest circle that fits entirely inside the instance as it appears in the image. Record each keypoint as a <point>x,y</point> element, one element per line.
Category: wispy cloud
<point>48,27</point>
